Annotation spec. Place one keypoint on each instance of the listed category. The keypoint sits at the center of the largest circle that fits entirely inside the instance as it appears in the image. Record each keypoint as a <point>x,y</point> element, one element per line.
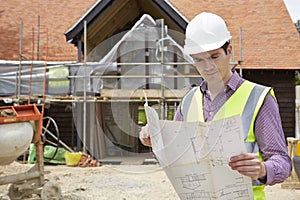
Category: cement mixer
<point>15,139</point>
<point>19,127</point>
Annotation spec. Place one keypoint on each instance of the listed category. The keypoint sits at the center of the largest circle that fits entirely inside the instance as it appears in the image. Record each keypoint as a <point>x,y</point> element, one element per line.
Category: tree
<point>297,24</point>
<point>297,78</point>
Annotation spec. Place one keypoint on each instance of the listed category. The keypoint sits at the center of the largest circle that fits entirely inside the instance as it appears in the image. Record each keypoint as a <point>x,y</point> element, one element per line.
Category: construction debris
<point>88,161</point>
<point>7,113</point>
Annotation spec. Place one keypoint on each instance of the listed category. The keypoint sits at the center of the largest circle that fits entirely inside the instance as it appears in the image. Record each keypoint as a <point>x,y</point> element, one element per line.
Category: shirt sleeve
<point>178,115</point>
<point>271,141</point>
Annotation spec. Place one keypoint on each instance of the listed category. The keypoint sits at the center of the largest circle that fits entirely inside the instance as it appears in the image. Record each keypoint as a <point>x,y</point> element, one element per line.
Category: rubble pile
<point>87,161</point>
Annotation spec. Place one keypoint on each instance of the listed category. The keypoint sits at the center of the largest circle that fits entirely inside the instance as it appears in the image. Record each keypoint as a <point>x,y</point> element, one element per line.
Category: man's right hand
<point>145,136</point>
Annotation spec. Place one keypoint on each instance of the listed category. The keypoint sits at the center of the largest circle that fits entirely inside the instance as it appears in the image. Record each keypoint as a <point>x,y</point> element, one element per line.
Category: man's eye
<point>214,57</point>
<point>197,60</point>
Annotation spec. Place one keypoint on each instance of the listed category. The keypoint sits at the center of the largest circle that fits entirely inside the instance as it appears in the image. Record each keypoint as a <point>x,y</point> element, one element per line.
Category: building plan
<point>195,156</point>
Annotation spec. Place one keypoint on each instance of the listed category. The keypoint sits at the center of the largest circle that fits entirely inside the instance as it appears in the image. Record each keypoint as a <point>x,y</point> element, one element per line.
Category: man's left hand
<point>248,164</point>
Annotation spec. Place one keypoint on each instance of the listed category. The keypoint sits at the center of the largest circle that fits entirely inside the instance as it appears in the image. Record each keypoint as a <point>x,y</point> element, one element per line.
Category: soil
<point>117,182</point>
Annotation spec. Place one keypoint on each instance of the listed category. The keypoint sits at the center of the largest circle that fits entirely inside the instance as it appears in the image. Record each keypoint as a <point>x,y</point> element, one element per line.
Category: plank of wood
<point>291,185</point>
<point>139,93</point>
<point>291,148</point>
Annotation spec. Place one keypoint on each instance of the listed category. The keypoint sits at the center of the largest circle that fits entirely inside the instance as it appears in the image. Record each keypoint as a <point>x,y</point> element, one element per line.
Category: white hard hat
<point>205,32</point>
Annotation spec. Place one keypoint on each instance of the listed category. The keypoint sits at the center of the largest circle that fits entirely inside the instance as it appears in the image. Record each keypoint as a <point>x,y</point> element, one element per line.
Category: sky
<point>293,6</point>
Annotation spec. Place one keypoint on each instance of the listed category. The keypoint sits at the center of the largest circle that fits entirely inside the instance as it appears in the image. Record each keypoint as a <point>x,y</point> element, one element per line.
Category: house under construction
<point>128,51</point>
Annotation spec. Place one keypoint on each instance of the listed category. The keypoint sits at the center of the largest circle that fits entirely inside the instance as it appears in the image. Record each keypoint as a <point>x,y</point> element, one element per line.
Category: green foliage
<point>142,117</point>
<point>297,78</point>
<point>171,113</point>
<point>143,120</point>
<point>297,24</point>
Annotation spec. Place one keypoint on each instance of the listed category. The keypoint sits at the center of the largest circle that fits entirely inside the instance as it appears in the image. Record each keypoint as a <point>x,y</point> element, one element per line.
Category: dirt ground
<point>117,182</point>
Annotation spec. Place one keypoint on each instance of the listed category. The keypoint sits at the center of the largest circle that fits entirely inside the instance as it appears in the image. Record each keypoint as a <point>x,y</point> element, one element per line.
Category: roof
<point>270,39</point>
<point>100,9</point>
<point>264,36</point>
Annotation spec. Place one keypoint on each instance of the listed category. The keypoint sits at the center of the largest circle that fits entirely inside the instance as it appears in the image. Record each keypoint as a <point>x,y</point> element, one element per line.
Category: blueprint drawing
<point>195,156</point>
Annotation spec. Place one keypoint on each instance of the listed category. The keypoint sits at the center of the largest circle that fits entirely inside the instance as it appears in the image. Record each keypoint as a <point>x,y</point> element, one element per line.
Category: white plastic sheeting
<point>145,57</point>
<point>32,78</point>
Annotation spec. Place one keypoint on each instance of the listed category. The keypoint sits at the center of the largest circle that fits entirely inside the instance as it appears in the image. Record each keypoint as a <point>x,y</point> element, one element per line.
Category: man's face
<point>214,66</point>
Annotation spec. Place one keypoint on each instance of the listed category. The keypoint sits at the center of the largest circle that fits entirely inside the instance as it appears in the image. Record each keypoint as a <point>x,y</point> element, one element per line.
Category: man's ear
<point>229,49</point>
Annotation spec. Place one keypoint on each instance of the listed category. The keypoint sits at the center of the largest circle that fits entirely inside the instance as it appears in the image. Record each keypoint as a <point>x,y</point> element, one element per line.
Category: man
<point>223,94</point>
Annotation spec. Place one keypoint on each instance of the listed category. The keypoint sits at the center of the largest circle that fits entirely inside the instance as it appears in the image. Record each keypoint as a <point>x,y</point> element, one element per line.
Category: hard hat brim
<point>195,49</point>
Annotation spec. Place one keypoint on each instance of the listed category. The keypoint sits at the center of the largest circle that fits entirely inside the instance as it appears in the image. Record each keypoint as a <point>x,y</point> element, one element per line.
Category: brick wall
<point>56,17</point>
<point>270,39</point>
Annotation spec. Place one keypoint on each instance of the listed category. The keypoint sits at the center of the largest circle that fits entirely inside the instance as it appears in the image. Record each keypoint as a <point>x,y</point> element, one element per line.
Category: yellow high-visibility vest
<point>246,102</point>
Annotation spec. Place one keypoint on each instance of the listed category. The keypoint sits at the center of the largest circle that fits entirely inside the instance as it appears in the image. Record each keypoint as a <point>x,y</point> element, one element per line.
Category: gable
<point>110,17</point>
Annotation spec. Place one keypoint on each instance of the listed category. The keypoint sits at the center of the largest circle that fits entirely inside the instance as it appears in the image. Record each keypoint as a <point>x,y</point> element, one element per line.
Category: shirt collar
<point>233,83</point>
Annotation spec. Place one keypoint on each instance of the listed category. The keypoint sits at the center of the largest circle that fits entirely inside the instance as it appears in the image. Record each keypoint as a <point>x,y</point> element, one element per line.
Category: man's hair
<point>224,47</point>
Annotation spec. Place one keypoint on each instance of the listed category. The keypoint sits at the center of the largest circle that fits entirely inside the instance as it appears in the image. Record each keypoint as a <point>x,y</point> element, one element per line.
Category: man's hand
<point>248,164</point>
<point>145,136</point>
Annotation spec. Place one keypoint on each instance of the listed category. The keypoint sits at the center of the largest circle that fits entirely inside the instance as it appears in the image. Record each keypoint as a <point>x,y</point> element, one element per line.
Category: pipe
<point>241,54</point>
<point>19,177</point>
<point>20,64</point>
<point>84,91</point>
<point>61,142</point>
<point>139,76</point>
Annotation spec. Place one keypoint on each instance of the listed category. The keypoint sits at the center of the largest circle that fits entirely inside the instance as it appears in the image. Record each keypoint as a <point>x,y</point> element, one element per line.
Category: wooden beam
<point>291,185</point>
<point>116,22</point>
<point>139,93</point>
<point>106,19</point>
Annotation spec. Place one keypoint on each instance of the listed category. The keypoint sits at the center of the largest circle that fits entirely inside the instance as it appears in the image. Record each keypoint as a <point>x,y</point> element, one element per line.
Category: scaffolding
<point>12,121</point>
<point>145,61</point>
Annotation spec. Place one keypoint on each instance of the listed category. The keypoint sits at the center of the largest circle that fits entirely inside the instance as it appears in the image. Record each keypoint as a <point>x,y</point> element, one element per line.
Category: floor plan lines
<point>192,181</point>
<point>195,157</point>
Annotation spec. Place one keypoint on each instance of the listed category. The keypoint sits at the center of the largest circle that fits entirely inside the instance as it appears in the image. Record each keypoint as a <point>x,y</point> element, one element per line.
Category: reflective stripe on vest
<point>248,96</point>
<point>192,106</point>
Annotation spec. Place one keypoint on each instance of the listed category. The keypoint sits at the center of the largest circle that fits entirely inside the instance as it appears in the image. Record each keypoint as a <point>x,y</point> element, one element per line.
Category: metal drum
<point>15,139</point>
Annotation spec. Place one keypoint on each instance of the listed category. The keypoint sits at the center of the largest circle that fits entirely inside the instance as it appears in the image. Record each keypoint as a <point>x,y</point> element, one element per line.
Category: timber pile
<point>292,182</point>
<point>87,161</point>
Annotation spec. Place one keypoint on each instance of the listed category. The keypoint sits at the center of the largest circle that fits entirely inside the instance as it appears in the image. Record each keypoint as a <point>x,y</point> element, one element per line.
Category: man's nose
<point>208,64</point>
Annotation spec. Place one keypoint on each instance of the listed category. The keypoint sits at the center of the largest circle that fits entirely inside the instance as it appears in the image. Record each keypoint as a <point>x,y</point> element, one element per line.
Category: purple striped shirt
<point>268,130</point>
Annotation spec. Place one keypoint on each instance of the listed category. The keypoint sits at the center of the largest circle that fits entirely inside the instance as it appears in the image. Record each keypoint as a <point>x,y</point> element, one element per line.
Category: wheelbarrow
<point>19,127</point>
